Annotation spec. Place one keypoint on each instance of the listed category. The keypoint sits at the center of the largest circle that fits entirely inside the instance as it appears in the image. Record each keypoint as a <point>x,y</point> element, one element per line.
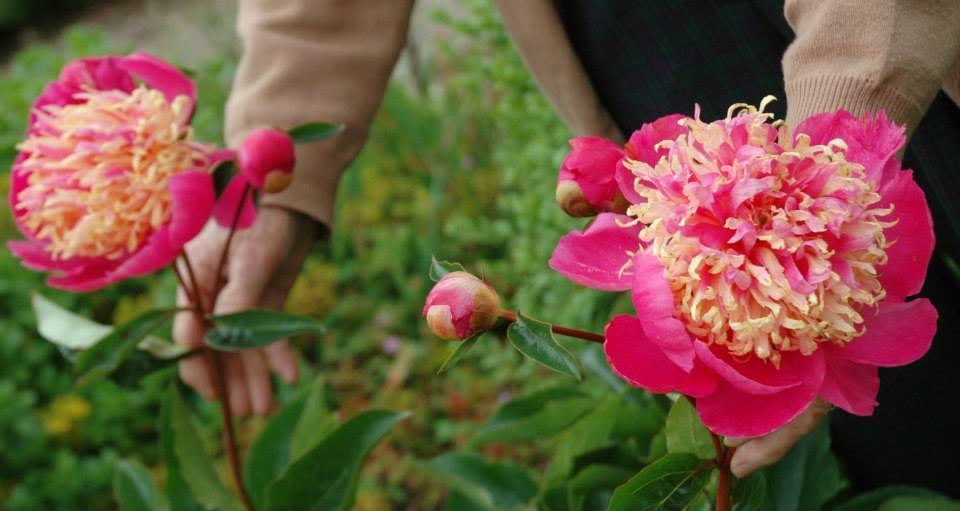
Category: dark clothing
<point>648,59</point>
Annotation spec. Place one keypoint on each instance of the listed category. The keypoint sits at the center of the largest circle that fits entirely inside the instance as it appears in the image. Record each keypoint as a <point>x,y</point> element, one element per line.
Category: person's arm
<point>303,61</point>
<point>860,55</point>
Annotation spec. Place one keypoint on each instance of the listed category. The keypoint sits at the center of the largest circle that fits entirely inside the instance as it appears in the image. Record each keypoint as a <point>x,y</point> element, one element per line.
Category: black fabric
<point>651,58</point>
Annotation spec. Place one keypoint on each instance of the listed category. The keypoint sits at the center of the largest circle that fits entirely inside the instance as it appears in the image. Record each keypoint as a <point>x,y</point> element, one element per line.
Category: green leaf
<point>440,268</point>
<point>807,477</point>
<point>919,504</point>
<point>195,465</point>
<point>598,477</point>
<point>161,349</point>
<point>314,131</point>
<point>486,484</point>
<point>326,477</point>
<point>686,433</point>
<point>873,500</point>
<point>315,423</point>
<point>669,484</point>
<point>269,454</point>
<point>458,353</point>
<point>108,353</point>
<point>535,340</point>
<point>176,489</point>
<point>539,415</point>
<point>750,494</point>
<point>589,433</point>
<point>133,487</point>
<point>65,328</point>
<point>257,328</point>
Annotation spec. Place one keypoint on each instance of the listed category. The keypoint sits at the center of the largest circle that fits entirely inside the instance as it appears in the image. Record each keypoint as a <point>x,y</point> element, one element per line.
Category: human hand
<point>755,453</point>
<point>261,267</point>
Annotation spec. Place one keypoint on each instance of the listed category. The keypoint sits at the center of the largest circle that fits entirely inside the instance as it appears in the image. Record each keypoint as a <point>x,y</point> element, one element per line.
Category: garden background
<point>461,164</point>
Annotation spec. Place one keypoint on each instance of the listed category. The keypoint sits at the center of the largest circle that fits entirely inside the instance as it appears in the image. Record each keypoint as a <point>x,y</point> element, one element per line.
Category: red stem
<point>221,389</point>
<point>724,455</point>
<point>562,330</point>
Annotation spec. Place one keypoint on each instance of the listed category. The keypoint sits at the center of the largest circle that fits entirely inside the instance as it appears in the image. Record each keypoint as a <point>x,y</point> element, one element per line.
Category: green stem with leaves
<point>213,357</point>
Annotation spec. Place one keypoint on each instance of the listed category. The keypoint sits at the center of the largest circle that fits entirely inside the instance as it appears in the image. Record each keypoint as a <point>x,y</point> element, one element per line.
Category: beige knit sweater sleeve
<point>315,60</point>
<point>867,55</point>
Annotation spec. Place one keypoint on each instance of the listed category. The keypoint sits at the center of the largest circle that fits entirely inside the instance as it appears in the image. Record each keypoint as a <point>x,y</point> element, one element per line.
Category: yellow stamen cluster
<point>98,171</point>
<point>808,245</point>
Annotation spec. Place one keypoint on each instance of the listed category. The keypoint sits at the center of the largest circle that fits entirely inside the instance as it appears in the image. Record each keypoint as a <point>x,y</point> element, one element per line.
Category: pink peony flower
<point>460,305</point>
<point>109,183</point>
<point>765,269</point>
<point>586,184</point>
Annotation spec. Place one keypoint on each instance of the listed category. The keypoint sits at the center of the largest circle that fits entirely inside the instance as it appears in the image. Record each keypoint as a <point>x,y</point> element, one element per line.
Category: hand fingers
<point>735,441</point>
<point>258,382</point>
<point>283,360</point>
<point>237,382</point>
<point>195,373</point>
<point>767,450</point>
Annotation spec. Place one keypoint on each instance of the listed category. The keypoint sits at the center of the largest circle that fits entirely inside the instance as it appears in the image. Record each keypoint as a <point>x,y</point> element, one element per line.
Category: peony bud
<point>266,158</point>
<point>460,305</point>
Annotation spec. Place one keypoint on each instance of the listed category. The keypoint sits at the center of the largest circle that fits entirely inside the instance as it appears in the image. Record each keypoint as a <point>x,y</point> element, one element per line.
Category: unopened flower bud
<point>460,305</point>
<point>571,200</point>
<point>266,158</point>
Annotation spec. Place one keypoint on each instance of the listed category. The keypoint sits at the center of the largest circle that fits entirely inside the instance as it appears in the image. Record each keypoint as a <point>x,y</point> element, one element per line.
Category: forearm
<point>315,60</point>
<point>869,55</point>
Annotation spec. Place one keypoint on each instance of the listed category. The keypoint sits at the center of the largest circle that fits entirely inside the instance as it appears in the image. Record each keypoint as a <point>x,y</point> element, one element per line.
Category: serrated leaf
<point>195,464</point>
<point>257,328</point>
<point>486,484</point>
<point>109,352</point>
<point>535,340</point>
<point>807,477</point>
<point>686,433</point>
<point>669,484</point>
<point>326,477</point>
<point>750,494</point>
<point>269,454</point>
<point>314,131</point>
<point>458,353</point>
<point>873,500</point>
<point>65,328</point>
<point>133,487</point>
<point>538,415</point>
<point>440,268</point>
<point>314,424</point>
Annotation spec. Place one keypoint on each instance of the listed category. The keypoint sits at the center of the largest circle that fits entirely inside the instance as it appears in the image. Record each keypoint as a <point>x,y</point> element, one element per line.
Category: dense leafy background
<point>461,164</point>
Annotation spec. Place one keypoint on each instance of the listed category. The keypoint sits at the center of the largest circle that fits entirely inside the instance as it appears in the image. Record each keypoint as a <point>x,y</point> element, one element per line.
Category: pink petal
<point>896,334</point>
<point>193,198</point>
<point>912,237</point>
<point>653,302</point>
<point>849,385</point>
<point>730,411</point>
<point>159,74</point>
<point>872,141</point>
<point>637,359</point>
<point>596,256</point>
<point>626,182</point>
<point>754,376</point>
<point>84,279</point>
<point>228,203</point>
<point>652,297</point>
<point>642,143</point>
<point>34,257</point>
<point>157,253</point>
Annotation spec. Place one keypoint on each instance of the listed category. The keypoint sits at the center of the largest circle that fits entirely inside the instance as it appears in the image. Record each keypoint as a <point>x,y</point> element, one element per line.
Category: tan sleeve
<point>867,55</point>
<point>315,60</point>
<point>538,34</point>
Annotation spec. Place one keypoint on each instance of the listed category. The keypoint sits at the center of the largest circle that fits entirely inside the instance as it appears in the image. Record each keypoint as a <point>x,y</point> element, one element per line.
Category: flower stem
<point>562,330</point>
<point>724,456</point>
<point>226,246</point>
<point>221,389</point>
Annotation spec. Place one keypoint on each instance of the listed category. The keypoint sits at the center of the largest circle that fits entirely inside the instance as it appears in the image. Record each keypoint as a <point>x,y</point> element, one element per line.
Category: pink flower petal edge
<point>596,256</point>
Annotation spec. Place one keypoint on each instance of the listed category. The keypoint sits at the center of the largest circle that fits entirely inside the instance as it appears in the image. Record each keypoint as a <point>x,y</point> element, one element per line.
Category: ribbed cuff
<point>816,94</point>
